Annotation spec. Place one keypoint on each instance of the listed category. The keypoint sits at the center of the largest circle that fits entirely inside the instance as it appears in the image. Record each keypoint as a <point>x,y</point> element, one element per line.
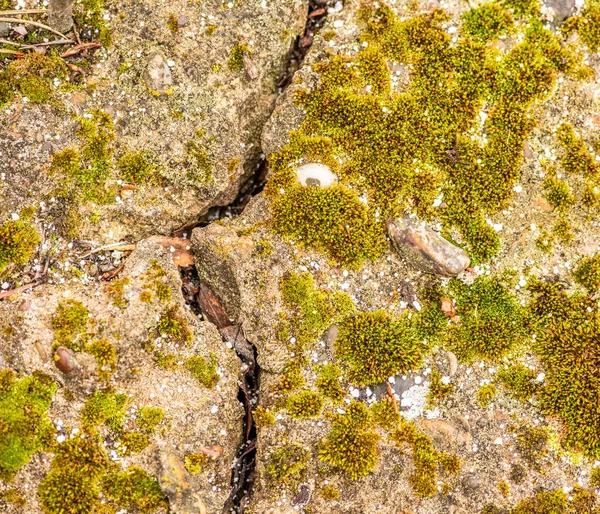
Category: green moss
<point>12,495</point>
<point>504,488</point>
<point>492,322</point>
<point>532,444</point>
<point>544,242</point>
<point>236,57</point>
<point>263,417</point>
<point>385,414</point>
<point>104,407</point>
<point>563,230</point>
<point>71,486</point>
<point>172,23</point>
<point>194,462</point>
<point>437,389</point>
<point>288,464</point>
<point>558,193</point>
<point>18,240</point>
<point>518,380</point>
<point>199,164</point>
<point>155,280</point>
<point>70,322</point>
<point>292,378</point>
<point>587,273</point>
<point>133,442</point>
<point>352,443</point>
<point>485,394</point>
<point>33,76</point>
<point>576,158</point>
<point>328,492</point>
<point>174,327</point>
<point>523,8</point>
<point>567,328</point>
<point>116,290</point>
<point>595,477</point>
<point>427,460</point>
<point>24,421</point>
<point>137,168</point>
<point>544,502</point>
<point>375,346</point>
<point>587,25</point>
<point>305,404</point>
<point>329,383</point>
<point>106,357</point>
<point>486,22</point>
<point>134,488</point>
<point>202,369</point>
<point>313,309</point>
<point>148,418</point>
<point>91,14</point>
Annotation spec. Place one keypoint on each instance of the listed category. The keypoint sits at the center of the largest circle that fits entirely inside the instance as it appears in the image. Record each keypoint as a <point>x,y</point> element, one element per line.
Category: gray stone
<point>562,8</point>
<point>425,249</point>
<point>158,78</point>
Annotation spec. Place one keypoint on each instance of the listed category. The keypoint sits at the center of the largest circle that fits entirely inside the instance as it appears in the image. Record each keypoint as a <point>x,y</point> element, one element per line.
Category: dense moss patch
<point>202,369</point>
<point>375,346</point>
<point>329,383</point>
<point>148,418</point>
<point>305,404</point>
<point>399,150</point>
<point>288,464</point>
<point>134,488</point>
<point>137,168</point>
<point>70,322</point>
<point>104,407</point>
<point>485,394</point>
<point>587,273</point>
<point>18,240</point>
<point>567,329</point>
<point>352,443</point>
<point>24,421</point>
<point>492,322</point>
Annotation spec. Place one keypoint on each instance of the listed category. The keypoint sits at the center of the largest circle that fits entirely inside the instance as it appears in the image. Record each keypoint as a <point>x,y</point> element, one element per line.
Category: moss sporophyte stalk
<point>397,150</point>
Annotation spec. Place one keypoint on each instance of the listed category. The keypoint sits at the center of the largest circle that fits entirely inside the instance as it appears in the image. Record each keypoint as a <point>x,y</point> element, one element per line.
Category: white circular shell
<point>315,174</point>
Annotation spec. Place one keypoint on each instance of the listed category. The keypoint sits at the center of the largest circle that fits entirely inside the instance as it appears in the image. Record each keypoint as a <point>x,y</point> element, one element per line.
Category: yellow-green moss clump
<point>174,328</point>
<point>427,460</point>
<point>199,165</point>
<point>486,22</point>
<point>194,462</point>
<point>313,309</point>
<point>292,377</point>
<point>330,493</point>
<point>155,281</point>
<point>263,417</point>
<point>568,329</point>
<point>558,193</point>
<point>18,240</point>
<point>134,489</point>
<point>595,477</point>
<point>288,464</point>
<point>587,273</point>
<point>33,77</point>
<point>352,443</point>
<point>532,444</point>
<point>116,290</point>
<point>71,486</point>
<point>236,57</point>
<point>137,168</point>
<point>375,346</point>
<point>104,407</point>
<point>305,404</point>
<point>70,322</point>
<point>106,357</point>
<point>148,418</point>
<point>492,322</point>
<point>12,495</point>
<point>587,25</point>
<point>203,369</point>
<point>518,380</point>
<point>485,394</point>
<point>437,389</point>
<point>329,383</point>
<point>91,14</point>
<point>399,150</point>
<point>24,421</point>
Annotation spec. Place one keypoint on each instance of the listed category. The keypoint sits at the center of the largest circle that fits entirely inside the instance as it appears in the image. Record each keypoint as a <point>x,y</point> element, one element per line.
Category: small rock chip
<point>157,77</point>
<point>182,21</point>
<point>303,497</point>
<point>315,174</point>
<point>448,307</point>
<point>63,360</point>
<point>174,483</point>
<point>543,205</point>
<point>249,67</point>
<point>452,363</point>
<point>425,249</point>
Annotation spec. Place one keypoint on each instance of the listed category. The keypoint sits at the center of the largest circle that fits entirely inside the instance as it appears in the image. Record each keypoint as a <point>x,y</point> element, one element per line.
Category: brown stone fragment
<point>447,307</point>
<point>425,249</point>
<point>543,205</point>
<point>63,360</point>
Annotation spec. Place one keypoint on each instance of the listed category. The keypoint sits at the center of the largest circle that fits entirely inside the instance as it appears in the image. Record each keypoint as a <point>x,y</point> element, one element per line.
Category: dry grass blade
<point>34,23</point>
<point>23,11</point>
<point>11,52</point>
<point>81,48</point>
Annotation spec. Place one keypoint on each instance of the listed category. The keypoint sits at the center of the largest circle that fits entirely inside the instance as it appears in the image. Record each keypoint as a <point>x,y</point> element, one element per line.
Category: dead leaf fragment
<point>180,249</point>
<point>448,307</point>
<point>211,307</point>
<point>213,452</point>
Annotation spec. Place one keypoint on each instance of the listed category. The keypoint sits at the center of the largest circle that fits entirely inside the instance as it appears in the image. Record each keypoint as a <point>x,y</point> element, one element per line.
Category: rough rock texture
<point>211,104</point>
<point>196,415</point>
